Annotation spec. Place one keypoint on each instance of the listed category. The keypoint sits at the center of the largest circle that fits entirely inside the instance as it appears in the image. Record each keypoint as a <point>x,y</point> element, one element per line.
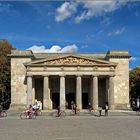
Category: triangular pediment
<point>70,60</point>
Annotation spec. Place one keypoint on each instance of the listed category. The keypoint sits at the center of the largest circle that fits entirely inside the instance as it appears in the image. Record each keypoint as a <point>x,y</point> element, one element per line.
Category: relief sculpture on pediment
<point>70,61</point>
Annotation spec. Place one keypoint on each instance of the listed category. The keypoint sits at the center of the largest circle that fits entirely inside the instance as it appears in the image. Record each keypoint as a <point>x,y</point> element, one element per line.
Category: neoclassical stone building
<point>54,78</point>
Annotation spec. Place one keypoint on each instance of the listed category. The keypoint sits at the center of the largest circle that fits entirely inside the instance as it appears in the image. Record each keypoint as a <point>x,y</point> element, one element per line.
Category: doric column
<point>29,90</point>
<point>62,92</point>
<point>95,92</point>
<point>107,90</point>
<point>33,91</point>
<point>46,93</point>
<point>111,92</point>
<point>90,100</point>
<point>79,92</point>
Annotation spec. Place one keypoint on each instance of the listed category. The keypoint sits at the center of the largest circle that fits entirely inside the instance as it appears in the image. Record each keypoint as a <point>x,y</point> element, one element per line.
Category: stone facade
<point>53,78</point>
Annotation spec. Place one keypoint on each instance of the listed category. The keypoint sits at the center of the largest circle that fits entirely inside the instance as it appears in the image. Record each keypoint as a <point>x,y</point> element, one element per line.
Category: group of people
<point>106,110</point>
<point>33,108</point>
<point>36,106</point>
<point>89,107</point>
<point>73,107</point>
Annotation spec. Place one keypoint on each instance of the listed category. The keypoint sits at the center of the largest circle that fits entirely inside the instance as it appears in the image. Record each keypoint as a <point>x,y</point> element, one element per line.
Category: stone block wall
<point>121,82</point>
<point>18,81</point>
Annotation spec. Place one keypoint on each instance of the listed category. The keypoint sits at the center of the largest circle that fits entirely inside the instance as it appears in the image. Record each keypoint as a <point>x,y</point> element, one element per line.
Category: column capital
<point>46,75</point>
<point>79,75</point>
<point>29,75</point>
<point>62,75</point>
<point>95,75</point>
<point>112,75</point>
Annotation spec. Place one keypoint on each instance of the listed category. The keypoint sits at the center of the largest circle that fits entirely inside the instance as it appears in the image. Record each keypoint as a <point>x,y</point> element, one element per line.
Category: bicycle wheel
<point>3,114</point>
<point>62,114</point>
<point>23,115</point>
<point>32,116</point>
<point>71,112</point>
<point>39,113</point>
<point>78,112</point>
<point>54,114</point>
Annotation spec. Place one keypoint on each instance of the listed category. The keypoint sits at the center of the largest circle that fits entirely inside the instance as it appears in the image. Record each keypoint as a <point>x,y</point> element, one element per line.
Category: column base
<point>95,106</point>
<point>122,107</point>
<point>62,108</point>
<point>47,105</point>
<point>17,107</point>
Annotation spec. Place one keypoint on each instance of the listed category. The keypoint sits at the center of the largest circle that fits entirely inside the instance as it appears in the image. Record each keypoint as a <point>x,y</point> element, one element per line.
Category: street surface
<point>117,126</point>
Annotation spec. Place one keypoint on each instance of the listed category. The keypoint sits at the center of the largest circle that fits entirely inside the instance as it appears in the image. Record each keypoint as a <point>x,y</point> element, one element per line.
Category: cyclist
<point>58,111</point>
<point>29,111</point>
<point>75,108</point>
<point>36,107</point>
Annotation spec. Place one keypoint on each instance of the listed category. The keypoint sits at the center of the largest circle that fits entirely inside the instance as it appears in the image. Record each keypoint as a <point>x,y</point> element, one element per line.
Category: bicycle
<point>62,114</point>
<point>37,112</point>
<point>89,111</point>
<point>138,111</point>
<point>3,113</point>
<point>72,112</point>
<point>27,115</point>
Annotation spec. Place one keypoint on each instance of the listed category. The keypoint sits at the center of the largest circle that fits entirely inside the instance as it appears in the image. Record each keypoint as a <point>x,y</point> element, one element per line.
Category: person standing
<point>72,105</point>
<point>100,111</point>
<point>66,104</point>
<point>58,111</point>
<point>106,109</point>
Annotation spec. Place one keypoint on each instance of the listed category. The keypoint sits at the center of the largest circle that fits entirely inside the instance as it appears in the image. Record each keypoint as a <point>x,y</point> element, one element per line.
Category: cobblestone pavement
<point>117,126</point>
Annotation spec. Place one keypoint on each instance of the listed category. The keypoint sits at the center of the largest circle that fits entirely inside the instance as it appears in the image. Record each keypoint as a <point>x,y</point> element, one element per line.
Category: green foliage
<point>134,83</point>
<point>5,78</point>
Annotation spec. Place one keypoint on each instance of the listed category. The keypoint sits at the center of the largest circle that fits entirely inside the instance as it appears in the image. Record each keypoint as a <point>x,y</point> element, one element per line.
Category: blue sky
<point>72,26</point>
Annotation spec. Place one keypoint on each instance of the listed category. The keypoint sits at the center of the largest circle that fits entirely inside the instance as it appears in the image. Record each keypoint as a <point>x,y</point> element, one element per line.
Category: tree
<point>5,78</point>
<point>135,83</point>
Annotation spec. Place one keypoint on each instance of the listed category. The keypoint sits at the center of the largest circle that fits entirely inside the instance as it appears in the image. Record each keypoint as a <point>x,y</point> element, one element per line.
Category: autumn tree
<point>5,49</point>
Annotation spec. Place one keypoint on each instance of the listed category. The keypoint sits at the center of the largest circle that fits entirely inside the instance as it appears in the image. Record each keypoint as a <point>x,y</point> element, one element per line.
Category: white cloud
<point>54,49</point>
<point>70,49</point>
<point>65,11</point>
<point>96,8</point>
<point>90,9</point>
<point>134,59</point>
<point>36,48</point>
<point>117,32</point>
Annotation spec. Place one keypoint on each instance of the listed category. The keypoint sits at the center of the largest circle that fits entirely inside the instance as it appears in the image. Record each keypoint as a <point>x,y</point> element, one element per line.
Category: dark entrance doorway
<point>69,98</point>
<point>55,100</point>
<point>39,89</point>
<point>84,100</point>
